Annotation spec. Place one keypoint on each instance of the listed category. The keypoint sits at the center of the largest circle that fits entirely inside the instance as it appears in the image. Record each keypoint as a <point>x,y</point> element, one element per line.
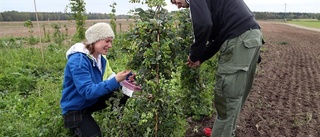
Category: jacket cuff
<point>193,58</point>
<point>112,84</point>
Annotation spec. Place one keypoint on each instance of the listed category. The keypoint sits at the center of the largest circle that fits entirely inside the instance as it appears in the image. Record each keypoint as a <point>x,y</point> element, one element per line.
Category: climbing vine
<point>159,42</point>
<point>78,9</point>
<point>113,19</point>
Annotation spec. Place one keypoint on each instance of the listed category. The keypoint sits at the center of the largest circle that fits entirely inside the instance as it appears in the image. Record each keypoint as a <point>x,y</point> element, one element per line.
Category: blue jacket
<point>83,80</point>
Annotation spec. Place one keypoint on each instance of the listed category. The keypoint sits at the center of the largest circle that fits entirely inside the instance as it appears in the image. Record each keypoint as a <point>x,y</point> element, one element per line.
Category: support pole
<point>35,8</point>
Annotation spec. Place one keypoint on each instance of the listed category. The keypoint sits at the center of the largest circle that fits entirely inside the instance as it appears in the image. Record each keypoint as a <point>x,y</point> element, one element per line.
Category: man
<point>227,26</point>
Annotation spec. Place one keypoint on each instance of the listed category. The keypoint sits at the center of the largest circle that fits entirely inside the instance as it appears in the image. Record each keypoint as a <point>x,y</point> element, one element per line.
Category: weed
<point>283,43</point>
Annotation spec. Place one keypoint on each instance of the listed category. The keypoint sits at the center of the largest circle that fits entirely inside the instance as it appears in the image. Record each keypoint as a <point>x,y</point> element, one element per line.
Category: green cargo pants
<point>234,77</point>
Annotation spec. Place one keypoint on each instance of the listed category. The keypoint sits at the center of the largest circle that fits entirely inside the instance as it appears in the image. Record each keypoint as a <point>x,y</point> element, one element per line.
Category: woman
<point>84,90</point>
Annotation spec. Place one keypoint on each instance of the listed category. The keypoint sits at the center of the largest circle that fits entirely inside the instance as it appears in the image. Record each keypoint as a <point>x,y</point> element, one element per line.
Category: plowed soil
<point>285,98</point>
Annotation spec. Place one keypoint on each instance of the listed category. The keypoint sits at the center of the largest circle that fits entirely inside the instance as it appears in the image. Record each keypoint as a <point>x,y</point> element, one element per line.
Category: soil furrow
<point>285,97</point>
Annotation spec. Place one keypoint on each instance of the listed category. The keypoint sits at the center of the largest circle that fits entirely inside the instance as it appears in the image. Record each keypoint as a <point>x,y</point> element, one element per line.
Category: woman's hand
<point>132,77</point>
<point>122,75</point>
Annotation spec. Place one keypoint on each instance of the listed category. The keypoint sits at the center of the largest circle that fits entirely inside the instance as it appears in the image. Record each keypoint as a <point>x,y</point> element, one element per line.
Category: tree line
<point>49,16</point>
<point>286,15</point>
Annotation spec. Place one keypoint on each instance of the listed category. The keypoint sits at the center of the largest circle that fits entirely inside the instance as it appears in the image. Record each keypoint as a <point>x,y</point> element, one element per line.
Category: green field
<point>314,23</point>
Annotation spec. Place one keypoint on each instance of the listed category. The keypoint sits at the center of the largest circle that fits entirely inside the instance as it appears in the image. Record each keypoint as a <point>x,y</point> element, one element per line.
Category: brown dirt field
<point>285,99</point>
<point>16,29</point>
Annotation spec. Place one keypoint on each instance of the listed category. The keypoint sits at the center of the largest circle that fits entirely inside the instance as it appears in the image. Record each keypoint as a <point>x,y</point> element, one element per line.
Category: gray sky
<point>123,6</point>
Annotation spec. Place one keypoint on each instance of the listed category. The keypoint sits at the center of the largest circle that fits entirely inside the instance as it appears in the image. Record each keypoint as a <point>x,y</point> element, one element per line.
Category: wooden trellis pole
<point>35,8</point>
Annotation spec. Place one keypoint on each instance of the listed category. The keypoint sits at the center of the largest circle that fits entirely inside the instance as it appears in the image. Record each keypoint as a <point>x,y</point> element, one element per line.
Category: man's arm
<point>211,49</point>
<point>202,27</point>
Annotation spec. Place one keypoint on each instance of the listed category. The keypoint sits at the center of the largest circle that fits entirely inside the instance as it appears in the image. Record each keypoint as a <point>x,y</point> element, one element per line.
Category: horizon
<point>129,14</point>
<point>123,6</point>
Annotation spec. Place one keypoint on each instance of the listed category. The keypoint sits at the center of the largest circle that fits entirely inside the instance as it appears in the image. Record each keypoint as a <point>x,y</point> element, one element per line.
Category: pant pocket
<point>253,42</point>
<point>230,80</point>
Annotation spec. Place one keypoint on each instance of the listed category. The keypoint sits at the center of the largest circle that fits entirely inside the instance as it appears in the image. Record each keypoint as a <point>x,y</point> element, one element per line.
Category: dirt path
<point>298,26</point>
<point>285,100</point>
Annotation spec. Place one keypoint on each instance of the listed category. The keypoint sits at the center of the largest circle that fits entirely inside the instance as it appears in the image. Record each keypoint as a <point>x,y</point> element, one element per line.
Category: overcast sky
<point>123,6</point>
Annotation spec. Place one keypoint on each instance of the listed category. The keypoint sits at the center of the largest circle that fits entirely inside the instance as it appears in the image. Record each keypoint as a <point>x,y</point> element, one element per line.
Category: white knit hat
<point>98,31</point>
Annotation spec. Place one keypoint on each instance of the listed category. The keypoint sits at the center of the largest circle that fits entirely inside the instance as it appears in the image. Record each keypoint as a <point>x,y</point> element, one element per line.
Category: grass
<point>313,23</point>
